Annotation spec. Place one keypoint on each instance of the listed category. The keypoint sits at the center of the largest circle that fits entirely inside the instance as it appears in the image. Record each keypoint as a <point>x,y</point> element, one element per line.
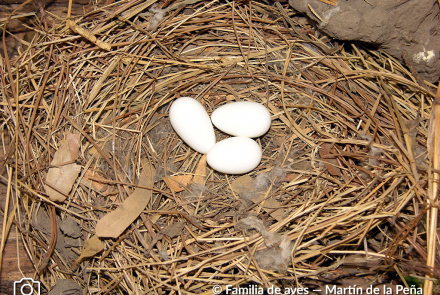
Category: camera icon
<point>26,286</point>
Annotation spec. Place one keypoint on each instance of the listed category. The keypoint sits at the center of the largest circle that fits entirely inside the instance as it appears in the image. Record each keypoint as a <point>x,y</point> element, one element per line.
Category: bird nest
<point>104,193</point>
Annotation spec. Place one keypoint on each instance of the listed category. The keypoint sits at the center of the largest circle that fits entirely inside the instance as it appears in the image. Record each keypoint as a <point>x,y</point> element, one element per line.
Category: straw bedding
<point>345,167</point>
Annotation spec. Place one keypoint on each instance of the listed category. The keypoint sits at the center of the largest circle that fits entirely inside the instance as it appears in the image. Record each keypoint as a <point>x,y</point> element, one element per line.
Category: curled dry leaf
<point>115,222</point>
<point>91,247</point>
<point>60,179</point>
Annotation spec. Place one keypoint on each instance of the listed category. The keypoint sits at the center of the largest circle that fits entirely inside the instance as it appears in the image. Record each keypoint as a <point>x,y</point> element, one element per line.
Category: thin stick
<point>69,10</point>
<point>5,230</point>
<point>238,39</point>
<point>434,152</point>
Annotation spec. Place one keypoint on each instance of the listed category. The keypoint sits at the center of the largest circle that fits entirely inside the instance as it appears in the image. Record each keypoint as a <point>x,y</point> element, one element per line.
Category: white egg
<point>244,118</point>
<point>235,155</point>
<point>191,122</point>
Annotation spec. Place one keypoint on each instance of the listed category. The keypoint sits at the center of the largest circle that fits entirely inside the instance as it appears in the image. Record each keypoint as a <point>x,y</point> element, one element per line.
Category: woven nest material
<point>344,181</point>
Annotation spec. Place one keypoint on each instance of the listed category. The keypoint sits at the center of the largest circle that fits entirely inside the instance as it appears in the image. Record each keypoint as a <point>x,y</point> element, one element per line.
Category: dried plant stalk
<point>89,36</point>
<point>432,215</point>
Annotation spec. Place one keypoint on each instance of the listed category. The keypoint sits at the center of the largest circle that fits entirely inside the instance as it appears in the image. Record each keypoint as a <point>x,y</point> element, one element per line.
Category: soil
<point>406,30</point>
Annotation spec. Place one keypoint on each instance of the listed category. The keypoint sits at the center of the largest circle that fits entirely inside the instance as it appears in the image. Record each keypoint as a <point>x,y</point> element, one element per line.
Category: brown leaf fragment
<point>64,175</point>
<point>92,247</point>
<point>74,143</point>
<point>98,185</point>
<point>179,182</point>
<point>230,97</point>
<point>291,176</point>
<point>269,205</point>
<point>243,184</point>
<point>115,222</point>
<point>200,172</point>
<point>331,164</point>
<point>173,230</point>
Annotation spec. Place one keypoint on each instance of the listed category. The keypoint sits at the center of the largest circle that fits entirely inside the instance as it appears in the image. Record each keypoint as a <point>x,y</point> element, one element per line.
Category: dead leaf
<point>63,177</point>
<point>92,247</point>
<point>173,230</point>
<point>179,182</point>
<point>269,205</point>
<point>74,143</point>
<point>200,172</point>
<point>115,222</point>
<point>98,185</point>
<point>331,164</point>
<point>290,177</point>
<point>93,151</point>
<point>243,184</point>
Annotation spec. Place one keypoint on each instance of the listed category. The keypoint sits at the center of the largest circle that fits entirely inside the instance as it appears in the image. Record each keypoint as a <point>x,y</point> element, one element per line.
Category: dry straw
<point>345,172</point>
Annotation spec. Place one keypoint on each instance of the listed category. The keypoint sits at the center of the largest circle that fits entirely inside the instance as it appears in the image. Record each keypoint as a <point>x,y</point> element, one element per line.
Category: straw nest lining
<point>344,170</point>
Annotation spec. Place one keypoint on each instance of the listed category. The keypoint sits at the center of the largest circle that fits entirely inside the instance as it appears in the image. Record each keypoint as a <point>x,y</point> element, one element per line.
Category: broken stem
<point>432,195</point>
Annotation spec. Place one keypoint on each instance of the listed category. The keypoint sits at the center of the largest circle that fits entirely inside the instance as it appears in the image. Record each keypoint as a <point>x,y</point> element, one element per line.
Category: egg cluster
<point>244,120</point>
